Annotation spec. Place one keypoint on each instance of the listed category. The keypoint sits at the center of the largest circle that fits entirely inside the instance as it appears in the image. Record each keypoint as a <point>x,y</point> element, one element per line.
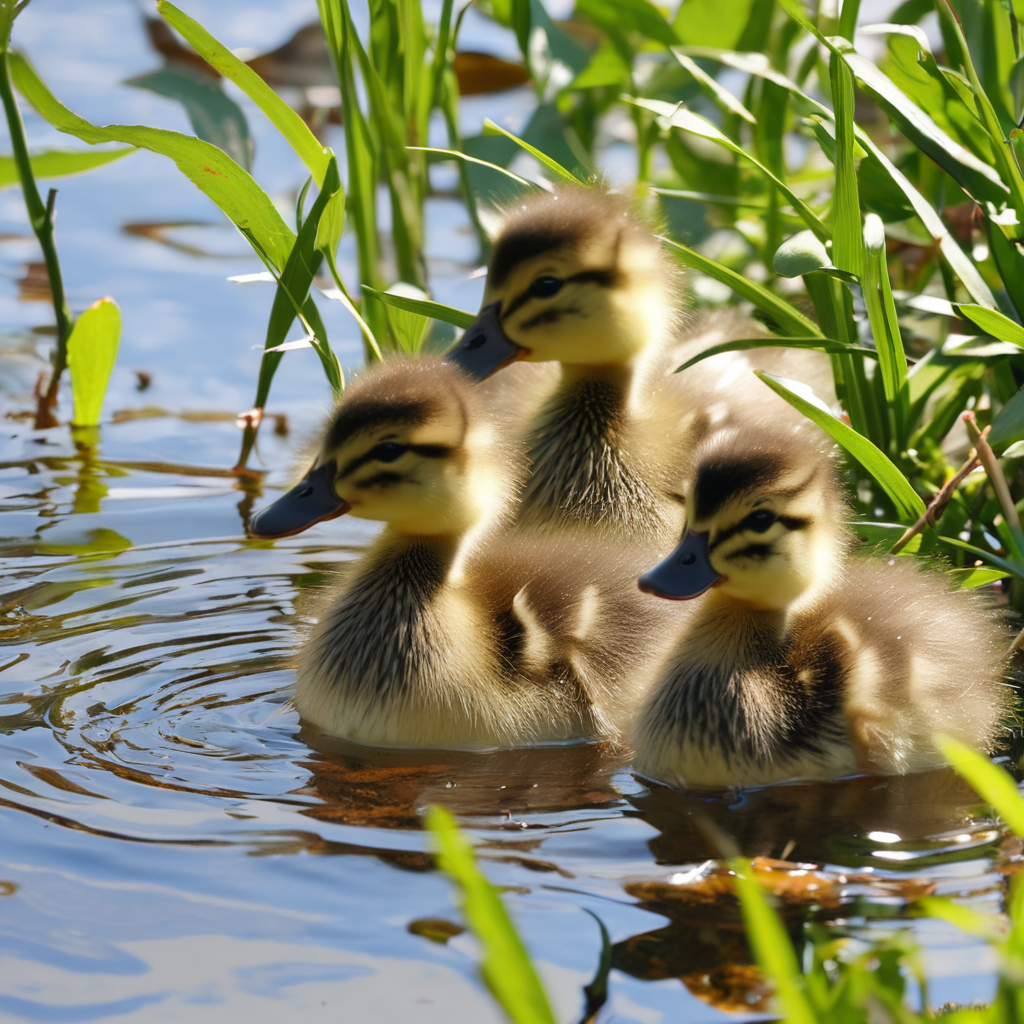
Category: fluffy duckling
<point>447,634</point>
<point>802,660</point>
<point>576,277</point>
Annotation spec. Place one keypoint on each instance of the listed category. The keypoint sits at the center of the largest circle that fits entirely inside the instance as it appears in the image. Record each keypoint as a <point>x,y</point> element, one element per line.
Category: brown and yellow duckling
<point>576,277</point>
<point>447,633</point>
<point>802,660</point>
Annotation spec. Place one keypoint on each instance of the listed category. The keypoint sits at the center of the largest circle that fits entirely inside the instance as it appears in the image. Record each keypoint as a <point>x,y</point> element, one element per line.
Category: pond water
<point>174,841</point>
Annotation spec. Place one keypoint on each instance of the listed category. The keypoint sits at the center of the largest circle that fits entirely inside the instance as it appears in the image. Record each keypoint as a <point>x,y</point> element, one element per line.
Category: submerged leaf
<point>92,351</point>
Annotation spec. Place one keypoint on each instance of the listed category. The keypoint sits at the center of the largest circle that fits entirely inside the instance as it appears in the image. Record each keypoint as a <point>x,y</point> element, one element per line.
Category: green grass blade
<point>972,578</point>
<point>892,359</point>
<point>992,322</point>
<point>465,157</point>
<point>772,948</point>
<point>58,163</point>
<point>745,344</point>
<point>712,87</point>
<point>847,239</point>
<point>785,316</point>
<point>908,503</point>
<point>677,116</point>
<point>993,784</point>
<point>92,352</point>
<point>208,167</point>
<point>1012,568</point>
<point>490,128</point>
<point>424,307</point>
<point>305,144</point>
<point>506,966</point>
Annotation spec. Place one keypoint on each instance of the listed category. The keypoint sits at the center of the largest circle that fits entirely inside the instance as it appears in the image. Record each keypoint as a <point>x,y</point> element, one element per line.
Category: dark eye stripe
<point>789,522</point>
<point>428,451</point>
<point>605,278</point>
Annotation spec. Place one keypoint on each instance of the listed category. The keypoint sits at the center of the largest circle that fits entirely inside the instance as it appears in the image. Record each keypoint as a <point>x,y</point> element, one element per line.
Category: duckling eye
<point>545,287</point>
<point>760,521</point>
<point>387,451</point>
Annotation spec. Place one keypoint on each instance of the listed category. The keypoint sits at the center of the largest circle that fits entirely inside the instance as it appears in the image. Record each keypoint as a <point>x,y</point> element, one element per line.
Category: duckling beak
<point>484,348</point>
<point>311,500</point>
<point>686,573</point>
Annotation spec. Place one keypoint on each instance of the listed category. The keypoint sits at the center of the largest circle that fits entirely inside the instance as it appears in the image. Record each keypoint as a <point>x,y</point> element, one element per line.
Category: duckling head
<point>408,445</point>
<point>764,522</point>
<point>575,277</point>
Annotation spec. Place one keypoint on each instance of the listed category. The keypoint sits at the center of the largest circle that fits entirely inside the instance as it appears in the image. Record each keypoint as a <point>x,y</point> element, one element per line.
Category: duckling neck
<point>585,466</point>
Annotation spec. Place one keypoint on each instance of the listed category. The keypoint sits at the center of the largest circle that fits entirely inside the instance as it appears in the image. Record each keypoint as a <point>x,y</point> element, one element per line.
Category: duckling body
<point>448,633</point>
<point>576,278</point>
<point>802,660</point>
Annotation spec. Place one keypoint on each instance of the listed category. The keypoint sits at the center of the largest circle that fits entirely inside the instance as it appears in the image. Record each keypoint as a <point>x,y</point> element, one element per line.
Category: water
<point>174,841</point>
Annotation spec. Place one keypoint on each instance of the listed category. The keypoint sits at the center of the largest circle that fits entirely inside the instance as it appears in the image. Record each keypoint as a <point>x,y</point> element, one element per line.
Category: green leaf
<point>424,307</point>
<point>629,16</point>
<point>57,163</point>
<point>506,966</point>
<point>208,167</point>
<point>781,312</point>
<point>964,919</point>
<point>408,327</point>
<point>908,503</point>
<point>92,352</point>
<point>678,116</point>
<point>745,344</point>
<point>713,87</point>
<point>805,253</point>
<point>992,322</point>
<point>1008,425</point>
<point>305,144</point>
<point>215,117</point>
<point>887,534</point>
<point>993,784</point>
<point>705,23</point>
<point>772,948</point>
<point>1013,569</point>
<point>847,241</point>
<point>972,578</point>
<point>331,225</point>
<point>490,128</point>
<point>456,155</point>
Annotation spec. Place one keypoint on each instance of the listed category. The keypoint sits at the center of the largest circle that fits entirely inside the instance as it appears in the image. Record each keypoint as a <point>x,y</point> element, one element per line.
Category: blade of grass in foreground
<point>425,307</point>
<point>745,344</point>
<point>908,503</point>
<point>490,128</point>
<point>506,967</point>
<point>993,784</point>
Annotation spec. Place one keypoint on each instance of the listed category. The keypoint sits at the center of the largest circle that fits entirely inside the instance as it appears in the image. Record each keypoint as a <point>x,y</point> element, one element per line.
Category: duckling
<point>449,633</point>
<point>803,660</point>
<point>574,276</point>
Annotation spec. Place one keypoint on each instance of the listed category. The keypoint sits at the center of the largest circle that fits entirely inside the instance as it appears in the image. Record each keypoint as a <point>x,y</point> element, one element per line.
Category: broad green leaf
<point>629,16</point>
<point>92,352</point>
<point>208,167</point>
<point>506,966</point>
<point>709,23</point>
<point>993,784</point>
<point>57,163</point>
<point>972,578</point>
<point>285,120</point>
<point>781,312</point>
<point>490,128</point>
<point>408,327</point>
<point>214,116</point>
<point>424,307</point>
<point>1008,425</point>
<point>745,344</point>
<point>992,322</point>
<point>772,948</point>
<point>678,116</point>
<point>908,503</point>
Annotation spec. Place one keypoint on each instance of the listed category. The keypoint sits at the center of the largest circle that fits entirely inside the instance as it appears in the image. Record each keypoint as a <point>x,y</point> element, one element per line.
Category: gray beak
<point>686,573</point>
<point>310,501</point>
<point>484,348</point>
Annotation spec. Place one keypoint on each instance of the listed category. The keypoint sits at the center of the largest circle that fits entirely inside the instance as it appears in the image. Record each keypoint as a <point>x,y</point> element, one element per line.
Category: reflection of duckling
<point>576,278</point>
<point>441,636</point>
<point>804,661</point>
